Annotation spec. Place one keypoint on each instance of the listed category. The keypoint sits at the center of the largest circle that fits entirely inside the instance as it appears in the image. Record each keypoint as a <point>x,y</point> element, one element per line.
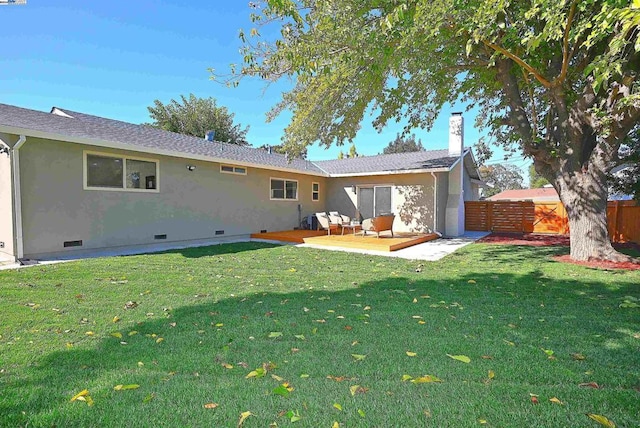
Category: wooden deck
<point>293,236</point>
<point>348,240</point>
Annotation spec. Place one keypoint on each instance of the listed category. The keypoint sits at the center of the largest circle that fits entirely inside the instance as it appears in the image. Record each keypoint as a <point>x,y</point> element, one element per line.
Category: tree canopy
<point>536,180</point>
<point>625,179</point>
<point>403,145</point>
<point>196,116</point>
<point>500,177</point>
<point>553,79</point>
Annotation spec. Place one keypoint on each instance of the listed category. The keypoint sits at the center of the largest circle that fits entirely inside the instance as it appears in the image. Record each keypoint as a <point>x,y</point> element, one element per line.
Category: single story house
<point>72,184</point>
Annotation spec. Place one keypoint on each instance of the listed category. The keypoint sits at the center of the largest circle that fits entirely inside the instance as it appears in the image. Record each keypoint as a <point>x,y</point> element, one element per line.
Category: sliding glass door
<point>373,201</point>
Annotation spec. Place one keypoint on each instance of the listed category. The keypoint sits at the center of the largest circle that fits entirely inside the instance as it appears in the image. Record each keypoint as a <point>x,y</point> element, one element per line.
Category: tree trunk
<point>584,195</point>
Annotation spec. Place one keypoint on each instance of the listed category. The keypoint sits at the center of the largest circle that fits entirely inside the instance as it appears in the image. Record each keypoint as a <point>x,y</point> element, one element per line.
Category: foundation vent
<point>219,232</point>
<point>72,243</point>
<point>163,236</point>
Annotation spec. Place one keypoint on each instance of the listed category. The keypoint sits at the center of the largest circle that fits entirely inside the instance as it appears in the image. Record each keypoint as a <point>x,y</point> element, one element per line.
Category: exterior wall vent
<point>72,243</point>
<point>219,232</point>
<point>263,231</point>
<point>163,236</point>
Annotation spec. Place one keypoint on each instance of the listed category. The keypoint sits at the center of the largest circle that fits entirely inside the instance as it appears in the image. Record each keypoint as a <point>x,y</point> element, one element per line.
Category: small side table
<point>354,227</point>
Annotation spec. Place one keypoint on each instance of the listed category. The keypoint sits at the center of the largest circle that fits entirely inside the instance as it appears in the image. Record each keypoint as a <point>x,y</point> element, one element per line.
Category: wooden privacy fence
<point>547,217</point>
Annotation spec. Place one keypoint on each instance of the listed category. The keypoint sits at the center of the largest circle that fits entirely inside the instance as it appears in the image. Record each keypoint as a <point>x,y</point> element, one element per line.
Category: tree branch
<point>539,77</point>
<point>565,47</point>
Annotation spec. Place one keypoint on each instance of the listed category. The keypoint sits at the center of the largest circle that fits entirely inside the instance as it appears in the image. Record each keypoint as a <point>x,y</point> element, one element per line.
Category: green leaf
<point>426,379</point>
<point>361,413</point>
<point>294,416</point>
<point>462,358</point>
<point>259,372</point>
<point>358,357</point>
<point>275,334</point>
<point>126,387</point>
<point>337,406</point>
<point>602,420</point>
<point>282,391</point>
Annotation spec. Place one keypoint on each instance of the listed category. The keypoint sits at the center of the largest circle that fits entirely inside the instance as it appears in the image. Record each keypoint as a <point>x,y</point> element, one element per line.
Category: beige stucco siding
<point>6,204</point>
<point>412,198</point>
<point>189,205</point>
<point>443,195</point>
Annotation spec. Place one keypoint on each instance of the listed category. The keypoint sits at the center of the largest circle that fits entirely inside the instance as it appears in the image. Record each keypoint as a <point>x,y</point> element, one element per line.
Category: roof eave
<point>393,172</point>
<point>148,150</point>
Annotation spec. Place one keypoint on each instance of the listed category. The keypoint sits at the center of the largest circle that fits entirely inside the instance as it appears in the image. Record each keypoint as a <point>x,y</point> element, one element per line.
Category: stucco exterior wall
<point>6,204</point>
<point>412,198</point>
<point>188,206</point>
<point>443,195</point>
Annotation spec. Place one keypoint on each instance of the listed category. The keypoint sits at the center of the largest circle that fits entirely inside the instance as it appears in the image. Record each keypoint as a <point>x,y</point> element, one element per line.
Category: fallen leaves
<point>358,357</point>
<point>126,387</point>
<point>590,385</point>
<point>283,390</point>
<point>421,379</point>
<point>243,417</point>
<point>83,396</point>
<point>340,378</point>
<point>210,405</point>
<point>462,358</point>
<point>357,389</point>
<point>131,305</point>
<point>602,420</point>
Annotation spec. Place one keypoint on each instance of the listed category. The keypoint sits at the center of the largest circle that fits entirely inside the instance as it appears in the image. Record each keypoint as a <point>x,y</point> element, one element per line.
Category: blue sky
<point>114,58</point>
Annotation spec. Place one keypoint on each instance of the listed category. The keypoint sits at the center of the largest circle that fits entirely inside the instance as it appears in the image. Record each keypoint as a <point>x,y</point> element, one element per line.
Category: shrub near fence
<point>547,217</point>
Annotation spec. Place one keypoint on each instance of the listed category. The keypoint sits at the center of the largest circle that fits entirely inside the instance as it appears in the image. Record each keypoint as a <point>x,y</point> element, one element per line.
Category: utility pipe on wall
<point>17,204</point>
<point>435,202</point>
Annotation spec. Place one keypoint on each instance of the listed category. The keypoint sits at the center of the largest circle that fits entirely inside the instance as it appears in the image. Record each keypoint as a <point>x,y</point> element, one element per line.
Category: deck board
<point>349,240</point>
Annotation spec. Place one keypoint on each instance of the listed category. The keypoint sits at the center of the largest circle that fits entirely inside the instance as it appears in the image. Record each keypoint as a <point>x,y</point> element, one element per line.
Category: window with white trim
<point>104,171</point>
<point>315,191</point>
<point>282,189</point>
<point>230,169</point>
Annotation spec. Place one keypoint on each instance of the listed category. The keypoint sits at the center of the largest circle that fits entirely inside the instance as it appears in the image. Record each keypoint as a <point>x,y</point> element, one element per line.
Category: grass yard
<point>310,338</point>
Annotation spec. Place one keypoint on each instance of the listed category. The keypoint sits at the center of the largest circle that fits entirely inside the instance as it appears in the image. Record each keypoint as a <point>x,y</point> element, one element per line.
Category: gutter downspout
<point>435,203</point>
<point>461,219</point>
<point>17,205</point>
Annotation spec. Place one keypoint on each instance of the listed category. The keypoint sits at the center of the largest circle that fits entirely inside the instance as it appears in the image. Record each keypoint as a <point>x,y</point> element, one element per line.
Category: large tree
<point>197,116</point>
<point>403,145</point>
<point>500,177</point>
<point>554,79</point>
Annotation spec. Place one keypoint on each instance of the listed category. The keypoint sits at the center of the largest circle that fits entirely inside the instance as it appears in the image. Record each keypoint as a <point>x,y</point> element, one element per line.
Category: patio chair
<point>338,218</point>
<point>325,223</point>
<point>378,224</point>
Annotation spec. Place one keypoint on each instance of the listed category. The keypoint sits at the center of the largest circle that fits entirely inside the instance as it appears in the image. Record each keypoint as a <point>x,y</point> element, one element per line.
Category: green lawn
<point>336,327</point>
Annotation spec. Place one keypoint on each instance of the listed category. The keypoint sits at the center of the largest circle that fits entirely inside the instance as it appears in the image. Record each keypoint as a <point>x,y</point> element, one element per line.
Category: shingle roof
<point>429,159</point>
<point>98,129</point>
<point>539,194</point>
<point>105,132</point>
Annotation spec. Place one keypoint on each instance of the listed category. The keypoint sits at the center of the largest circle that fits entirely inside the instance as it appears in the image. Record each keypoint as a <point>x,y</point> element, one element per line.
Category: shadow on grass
<point>220,249</point>
<point>178,358</point>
